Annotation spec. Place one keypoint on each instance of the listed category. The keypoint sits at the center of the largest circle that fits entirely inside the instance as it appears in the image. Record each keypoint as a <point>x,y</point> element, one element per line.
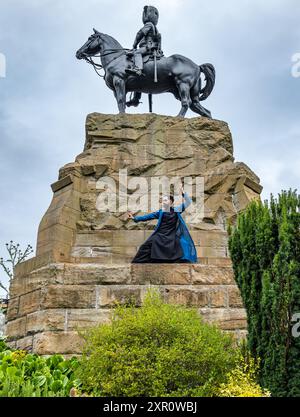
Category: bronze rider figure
<point>148,39</point>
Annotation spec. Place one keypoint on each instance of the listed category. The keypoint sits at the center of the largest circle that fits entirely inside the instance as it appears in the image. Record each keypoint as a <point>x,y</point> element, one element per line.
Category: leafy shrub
<point>157,350</point>
<point>242,382</point>
<point>3,345</point>
<point>30,375</point>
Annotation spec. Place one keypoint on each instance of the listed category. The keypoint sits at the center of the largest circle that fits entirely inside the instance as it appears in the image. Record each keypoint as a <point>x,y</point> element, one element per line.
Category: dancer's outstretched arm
<point>146,217</point>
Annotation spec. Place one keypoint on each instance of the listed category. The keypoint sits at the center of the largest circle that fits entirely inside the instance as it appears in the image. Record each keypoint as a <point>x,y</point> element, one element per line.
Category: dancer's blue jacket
<point>186,241</point>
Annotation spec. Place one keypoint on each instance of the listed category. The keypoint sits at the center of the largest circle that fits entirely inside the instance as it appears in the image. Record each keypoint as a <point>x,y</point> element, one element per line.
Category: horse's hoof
<point>206,113</point>
<point>132,103</point>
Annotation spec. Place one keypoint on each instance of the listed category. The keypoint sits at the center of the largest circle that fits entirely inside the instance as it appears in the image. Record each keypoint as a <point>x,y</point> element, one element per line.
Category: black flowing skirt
<point>163,246</point>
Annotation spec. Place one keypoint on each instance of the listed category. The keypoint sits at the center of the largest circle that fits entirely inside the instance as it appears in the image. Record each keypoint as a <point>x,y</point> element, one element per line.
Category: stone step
<point>120,238</point>
<point>122,255</point>
<point>209,271</point>
<point>49,303</point>
<point>38,262</point>
<point>218,261</point>
<point>109,259</point>
<point>120,246</point>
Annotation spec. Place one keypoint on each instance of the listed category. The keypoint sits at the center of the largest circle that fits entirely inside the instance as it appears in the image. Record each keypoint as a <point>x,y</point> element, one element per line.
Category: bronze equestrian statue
<point>150,72</point>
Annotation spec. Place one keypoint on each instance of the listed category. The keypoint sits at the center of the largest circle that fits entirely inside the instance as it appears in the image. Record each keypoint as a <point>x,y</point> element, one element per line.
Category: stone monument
<point>82,264</point>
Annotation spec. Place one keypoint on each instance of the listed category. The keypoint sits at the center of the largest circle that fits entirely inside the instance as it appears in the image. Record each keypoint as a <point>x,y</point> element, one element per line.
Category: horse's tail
<point>210,78</point>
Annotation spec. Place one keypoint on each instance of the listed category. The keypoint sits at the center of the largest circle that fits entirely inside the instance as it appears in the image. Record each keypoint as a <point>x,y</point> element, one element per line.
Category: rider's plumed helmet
<point>150,14</point>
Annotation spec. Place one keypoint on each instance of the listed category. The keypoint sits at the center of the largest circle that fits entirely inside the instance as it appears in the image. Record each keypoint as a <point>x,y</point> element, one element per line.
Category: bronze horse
<point>176,74</point>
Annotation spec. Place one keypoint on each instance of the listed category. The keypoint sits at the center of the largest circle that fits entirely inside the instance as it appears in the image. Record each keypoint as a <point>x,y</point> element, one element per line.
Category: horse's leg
<point>198,108</point>
<point>135,101</point>
<point>184,93</point>
<point>120,93</point>
<point>195,104</point>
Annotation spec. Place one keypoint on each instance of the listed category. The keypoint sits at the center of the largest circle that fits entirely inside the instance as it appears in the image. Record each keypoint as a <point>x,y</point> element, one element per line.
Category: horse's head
<point>91,47</point>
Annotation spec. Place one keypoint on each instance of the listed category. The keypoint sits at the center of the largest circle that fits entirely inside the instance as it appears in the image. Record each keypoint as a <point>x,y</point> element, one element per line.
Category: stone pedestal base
<point>83,257</point>
<point>49,304</point>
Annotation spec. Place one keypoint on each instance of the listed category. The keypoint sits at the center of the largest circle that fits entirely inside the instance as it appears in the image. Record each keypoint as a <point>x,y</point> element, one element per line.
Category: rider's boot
<point>137,64</point>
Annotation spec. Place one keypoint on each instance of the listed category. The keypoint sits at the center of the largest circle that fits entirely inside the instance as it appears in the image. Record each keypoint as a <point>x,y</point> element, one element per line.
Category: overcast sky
<point>47,93</point>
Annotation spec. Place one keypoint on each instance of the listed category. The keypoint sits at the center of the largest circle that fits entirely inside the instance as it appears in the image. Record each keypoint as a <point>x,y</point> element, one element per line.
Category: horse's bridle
<point>97,67</point>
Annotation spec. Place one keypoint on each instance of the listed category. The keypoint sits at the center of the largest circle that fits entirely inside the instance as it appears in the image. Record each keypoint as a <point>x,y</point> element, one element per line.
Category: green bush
<point>242,381</point>
<point>29,375</point>
<point>265,251</point>
<point>3,345</point>
<point>156,350</point>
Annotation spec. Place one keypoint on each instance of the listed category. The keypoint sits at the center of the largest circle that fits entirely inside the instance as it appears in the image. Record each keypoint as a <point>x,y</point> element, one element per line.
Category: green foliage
<point>156,350</point>
<point>241,381</point>
<point>3,345</point>
<point>265,251</point>
<point>28,375</point>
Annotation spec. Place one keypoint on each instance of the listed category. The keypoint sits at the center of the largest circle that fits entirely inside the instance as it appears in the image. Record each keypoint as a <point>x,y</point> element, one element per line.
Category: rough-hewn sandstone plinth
<point>83,257</point>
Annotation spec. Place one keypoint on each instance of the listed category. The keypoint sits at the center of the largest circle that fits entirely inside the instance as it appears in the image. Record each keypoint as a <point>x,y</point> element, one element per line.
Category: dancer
<point>171,241</point>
